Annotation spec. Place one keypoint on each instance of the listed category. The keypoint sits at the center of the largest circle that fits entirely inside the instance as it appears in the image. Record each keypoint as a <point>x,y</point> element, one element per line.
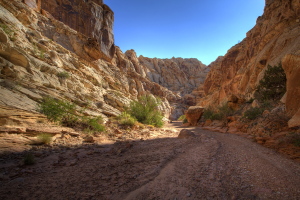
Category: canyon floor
<point>210,165</point>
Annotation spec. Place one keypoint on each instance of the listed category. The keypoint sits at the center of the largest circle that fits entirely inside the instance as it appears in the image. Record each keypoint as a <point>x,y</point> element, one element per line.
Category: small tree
<point>273,85</point>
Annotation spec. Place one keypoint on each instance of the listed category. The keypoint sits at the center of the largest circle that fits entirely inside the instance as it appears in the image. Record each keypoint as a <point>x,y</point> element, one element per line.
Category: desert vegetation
<point>220,113</point>
<point>146,110</point>
<point>67,114</point>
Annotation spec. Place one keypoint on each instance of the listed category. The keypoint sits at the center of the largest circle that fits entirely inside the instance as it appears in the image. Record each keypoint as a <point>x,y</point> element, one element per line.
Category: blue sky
<point>189,29</point>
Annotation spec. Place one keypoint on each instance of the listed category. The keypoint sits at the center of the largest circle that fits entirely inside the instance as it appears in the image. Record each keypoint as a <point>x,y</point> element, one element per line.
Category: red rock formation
<point>193,114</point>
<point>291,65</point>
<point>275,35</point>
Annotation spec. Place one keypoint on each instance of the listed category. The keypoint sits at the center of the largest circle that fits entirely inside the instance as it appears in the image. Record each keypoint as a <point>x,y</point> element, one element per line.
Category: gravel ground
<point>208,166</point>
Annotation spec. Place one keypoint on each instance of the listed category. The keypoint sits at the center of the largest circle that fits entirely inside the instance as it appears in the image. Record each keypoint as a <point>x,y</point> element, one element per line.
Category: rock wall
<point>31,64</point>
<point>91,18</point>
<point>276,34</point>
<point>177,74</point>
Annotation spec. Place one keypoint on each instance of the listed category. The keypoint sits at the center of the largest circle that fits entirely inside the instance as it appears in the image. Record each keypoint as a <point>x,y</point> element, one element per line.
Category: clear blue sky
<point>200,29</point>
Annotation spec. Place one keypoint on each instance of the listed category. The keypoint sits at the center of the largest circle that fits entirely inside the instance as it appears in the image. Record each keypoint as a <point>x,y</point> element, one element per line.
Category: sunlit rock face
<point>291,65</point>
<point>177,74</point>
<point>36,48</point>
<point>275,35</point>
<point>91,18</point>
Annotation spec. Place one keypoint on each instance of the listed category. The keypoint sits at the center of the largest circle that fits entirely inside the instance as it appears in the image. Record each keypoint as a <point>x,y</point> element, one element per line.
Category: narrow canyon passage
<point>208,166</point>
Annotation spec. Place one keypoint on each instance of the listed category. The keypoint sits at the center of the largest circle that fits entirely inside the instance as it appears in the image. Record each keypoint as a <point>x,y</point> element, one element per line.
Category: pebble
<point>188,194</point>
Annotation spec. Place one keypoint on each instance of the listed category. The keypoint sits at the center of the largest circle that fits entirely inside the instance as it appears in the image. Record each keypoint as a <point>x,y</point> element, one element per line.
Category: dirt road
<point>208,166</point>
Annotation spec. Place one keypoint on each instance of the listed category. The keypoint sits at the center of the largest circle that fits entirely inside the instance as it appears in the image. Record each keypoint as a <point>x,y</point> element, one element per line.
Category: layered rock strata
<point>276,34</point>
<point>33,65</point>
<point>91,18</point>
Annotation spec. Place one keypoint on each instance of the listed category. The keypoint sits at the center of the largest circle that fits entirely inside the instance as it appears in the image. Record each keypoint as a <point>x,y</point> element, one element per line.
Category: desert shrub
<point>63,75</point>
<point>273,85</point>
<point>208,113</point>
<point>182,118</point>
<point>29,159</point>
<point>44,138</point>
<point>225,111</point>
<point>94,124</point>
<point>126,119</point>
<point>57,110</point>
<point>66,114</point>
<point>253,113</point>
<point>221,113</point>
<point>146,111</point>
<point>7,30</point>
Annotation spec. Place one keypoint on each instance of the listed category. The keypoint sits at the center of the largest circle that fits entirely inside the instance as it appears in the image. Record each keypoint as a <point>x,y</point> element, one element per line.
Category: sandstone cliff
<point>177,74</point>
<point>91,18</point>
<point>41,56</point>
<point>275,35</point>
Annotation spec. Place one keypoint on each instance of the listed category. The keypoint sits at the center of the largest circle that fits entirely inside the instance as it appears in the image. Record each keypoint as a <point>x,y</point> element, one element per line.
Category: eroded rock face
<point>177,74</point>
<point>193,114</point>
<point>291,65</point>
<point>91,18</point>
<point>40,48</point>
<point>275,35</point>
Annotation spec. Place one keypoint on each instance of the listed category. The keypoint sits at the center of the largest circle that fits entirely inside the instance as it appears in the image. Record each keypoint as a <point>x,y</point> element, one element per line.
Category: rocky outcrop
<point>179,75</point>
<point>276,34</point>
<point>37,50</point>
<point>91,18</point>
<point>176,74</point>
<point>193,114</point>
<point>291,65</point>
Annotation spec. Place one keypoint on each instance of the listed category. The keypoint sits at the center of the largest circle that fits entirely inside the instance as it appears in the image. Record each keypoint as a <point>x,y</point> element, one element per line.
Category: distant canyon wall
<point>177,74</point>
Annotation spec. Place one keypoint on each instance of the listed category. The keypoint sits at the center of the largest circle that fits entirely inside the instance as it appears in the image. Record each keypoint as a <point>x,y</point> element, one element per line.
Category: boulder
<point>193,114</point>
<point>185,133</point>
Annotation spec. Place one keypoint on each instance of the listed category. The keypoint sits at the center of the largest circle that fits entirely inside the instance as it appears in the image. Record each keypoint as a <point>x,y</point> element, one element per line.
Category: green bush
<point>94,123</point>
<point>7,30</point>
<point>225,111</point>
<point>44,138</point>
<point>145,110</point>
<point>253,113</point>
<point>273,85</point>
<point>63,75</point>
<point>182,118</point>
<point>66,114</point>
<point>126,119</point>
<point>57,110</point>
<point>221,113</point>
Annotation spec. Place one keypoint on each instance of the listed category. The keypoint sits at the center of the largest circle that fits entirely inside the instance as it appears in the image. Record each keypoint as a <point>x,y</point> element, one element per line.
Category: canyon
<point>42,39</point>
<point>65,49</point>
<point>273,40</point>
<point>46,49</point>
